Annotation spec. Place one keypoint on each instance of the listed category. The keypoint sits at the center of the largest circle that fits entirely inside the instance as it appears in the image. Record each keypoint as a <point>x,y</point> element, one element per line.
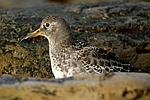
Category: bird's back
<point>97,60</point>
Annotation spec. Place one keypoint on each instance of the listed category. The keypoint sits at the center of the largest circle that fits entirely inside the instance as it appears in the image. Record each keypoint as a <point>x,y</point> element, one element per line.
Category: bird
<point>70,56</point>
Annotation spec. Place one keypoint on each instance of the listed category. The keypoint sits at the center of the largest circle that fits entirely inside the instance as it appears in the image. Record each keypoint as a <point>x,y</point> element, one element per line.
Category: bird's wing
<point>98,60</point>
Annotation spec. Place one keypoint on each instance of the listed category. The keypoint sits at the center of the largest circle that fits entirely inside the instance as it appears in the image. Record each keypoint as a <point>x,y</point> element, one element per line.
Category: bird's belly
<point>57,73</point>
<point>61,73</point>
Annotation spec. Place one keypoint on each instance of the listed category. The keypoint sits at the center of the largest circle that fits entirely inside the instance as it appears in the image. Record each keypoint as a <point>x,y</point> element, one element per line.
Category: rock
<point>121,27</point>
<point>116,86</point>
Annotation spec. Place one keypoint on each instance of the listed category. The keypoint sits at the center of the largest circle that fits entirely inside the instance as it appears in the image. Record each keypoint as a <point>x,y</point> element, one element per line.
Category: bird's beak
<point>36,33</point>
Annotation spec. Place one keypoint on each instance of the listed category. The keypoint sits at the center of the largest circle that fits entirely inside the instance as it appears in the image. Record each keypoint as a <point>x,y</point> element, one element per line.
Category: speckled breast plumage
<point>80,58</point>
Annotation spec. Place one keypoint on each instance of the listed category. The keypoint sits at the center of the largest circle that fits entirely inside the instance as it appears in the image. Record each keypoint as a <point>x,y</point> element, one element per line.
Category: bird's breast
<point>61,63</point>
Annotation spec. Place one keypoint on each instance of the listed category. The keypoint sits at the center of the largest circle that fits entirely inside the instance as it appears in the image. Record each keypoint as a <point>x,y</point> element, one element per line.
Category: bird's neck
<point>61,44</point>
<point>59,55</point>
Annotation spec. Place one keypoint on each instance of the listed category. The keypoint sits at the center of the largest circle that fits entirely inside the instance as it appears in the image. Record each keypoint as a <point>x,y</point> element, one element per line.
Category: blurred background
<point>34,3</point>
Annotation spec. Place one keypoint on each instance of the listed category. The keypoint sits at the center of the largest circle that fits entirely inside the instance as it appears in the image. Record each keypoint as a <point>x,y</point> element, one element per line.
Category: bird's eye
<point>47,24</point>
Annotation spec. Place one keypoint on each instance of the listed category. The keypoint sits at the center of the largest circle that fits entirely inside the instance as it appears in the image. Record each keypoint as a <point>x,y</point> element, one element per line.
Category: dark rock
<point>114,26</point>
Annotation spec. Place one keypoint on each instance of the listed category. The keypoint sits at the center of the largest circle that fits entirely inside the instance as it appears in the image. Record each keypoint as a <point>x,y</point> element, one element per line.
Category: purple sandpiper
<point>70,56</point>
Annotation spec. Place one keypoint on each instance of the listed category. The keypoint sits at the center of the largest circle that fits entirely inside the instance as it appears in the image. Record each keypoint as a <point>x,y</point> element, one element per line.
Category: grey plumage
<point>72,57</point>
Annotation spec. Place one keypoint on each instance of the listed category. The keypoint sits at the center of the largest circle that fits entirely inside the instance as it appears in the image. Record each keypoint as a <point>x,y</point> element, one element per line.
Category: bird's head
<point>54,28</point>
